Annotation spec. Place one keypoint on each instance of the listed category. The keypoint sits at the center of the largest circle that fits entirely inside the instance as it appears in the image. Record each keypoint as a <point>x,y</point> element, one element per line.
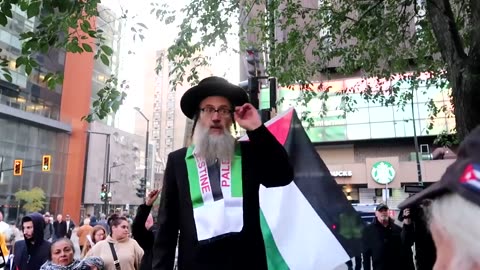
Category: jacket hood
<point>38,226</point>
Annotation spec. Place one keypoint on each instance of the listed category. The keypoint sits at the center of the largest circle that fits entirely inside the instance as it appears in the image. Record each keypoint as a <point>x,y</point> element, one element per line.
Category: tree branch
<point>440,15</point>
<point>474,52</point>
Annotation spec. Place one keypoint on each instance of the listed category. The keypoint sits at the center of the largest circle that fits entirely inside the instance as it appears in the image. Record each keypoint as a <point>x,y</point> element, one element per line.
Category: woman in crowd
<point>61,258</point>
<point>118,247</point>
<point>98,234</point>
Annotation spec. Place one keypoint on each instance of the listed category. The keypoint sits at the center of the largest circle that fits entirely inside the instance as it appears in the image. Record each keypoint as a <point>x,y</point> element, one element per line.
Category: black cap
<point>381,206</point>
<point>462,177</point>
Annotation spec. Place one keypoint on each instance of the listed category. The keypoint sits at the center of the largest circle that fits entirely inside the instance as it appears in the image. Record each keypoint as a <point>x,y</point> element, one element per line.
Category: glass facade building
<point>29,123</point>
<point>30,142</point>
<point>369,120</point>
<point>30,93</point>
<point>111,27</point>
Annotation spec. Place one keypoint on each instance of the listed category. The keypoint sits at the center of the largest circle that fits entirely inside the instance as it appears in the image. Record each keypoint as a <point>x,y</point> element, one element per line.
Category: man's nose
<point>216,117</point>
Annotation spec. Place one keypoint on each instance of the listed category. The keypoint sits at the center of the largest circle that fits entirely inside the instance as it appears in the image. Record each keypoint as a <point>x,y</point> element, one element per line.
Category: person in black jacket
<point>33,251</point>
<point>384,245</point>
<point>415,230</point>
<point>210,197</point>
<point>143,229</point>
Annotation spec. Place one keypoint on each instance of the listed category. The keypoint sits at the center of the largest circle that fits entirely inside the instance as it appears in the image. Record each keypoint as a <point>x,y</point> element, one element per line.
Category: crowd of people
<point>105,244</point>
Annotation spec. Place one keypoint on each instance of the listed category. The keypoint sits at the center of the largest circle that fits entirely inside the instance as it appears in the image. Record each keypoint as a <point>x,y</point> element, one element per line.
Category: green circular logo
<point>383,172</point>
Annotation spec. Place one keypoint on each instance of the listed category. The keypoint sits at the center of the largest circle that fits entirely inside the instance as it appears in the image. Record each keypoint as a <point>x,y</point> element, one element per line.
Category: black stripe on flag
<point>321,190</point>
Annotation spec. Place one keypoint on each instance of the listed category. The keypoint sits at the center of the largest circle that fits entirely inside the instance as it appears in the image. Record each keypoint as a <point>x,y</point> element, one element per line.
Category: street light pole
<point>415,140</point>
<point>146,148</point>
<point>106,174</point>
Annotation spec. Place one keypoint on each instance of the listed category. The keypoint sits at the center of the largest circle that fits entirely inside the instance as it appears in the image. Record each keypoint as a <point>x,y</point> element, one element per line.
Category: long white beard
<point>213,147</point>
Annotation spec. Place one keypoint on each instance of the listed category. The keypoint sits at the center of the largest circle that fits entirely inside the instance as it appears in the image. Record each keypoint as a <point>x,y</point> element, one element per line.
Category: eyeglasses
<point>224,112</point>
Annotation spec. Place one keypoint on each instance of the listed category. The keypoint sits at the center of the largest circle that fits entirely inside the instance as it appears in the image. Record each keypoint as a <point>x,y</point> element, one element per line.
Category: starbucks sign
<point>383,172</point>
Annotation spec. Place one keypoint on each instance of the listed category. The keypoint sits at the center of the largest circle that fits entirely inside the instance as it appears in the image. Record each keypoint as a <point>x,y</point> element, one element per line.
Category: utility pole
<point>106,171</point>
<point>415,139</point>
<point>271,27</point>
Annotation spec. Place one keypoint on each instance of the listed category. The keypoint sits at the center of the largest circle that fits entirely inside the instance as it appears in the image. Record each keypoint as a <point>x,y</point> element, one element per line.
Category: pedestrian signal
<point>17,167</point>
<point>46,163</point>
<point>103,192</point>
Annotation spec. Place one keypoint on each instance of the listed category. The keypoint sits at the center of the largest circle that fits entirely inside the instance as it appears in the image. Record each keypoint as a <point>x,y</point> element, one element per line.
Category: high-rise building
<point>36,121</point>
<point>111,26</point>
<point>171,129</point>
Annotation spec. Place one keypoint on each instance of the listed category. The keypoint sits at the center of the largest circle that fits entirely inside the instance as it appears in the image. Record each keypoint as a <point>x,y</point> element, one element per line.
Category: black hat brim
<point>192,98</point>
<point>432,192</point>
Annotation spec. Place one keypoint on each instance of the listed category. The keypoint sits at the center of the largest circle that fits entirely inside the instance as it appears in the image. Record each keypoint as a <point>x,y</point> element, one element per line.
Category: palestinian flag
<point>308,224</point>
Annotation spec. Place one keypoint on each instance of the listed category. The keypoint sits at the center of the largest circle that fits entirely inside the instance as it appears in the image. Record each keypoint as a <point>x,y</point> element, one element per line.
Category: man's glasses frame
<point>222,111</point>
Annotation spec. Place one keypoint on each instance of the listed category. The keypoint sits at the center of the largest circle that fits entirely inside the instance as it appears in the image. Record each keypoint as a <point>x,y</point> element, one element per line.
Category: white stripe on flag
<point>474,183</point>
<point>303,239</point>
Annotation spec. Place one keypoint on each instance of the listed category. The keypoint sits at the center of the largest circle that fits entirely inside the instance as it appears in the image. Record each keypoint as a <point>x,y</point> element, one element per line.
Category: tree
<point>34,199</point>
<point>383,39</point>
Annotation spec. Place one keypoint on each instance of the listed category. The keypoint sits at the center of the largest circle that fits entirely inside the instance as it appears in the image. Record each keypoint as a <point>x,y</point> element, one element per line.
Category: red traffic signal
<point>17,167</point>
<point>46,163</point>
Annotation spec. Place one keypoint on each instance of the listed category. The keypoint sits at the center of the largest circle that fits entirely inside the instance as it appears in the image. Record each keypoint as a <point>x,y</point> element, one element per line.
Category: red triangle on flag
<point>279,126</point>
<point>468,174</point>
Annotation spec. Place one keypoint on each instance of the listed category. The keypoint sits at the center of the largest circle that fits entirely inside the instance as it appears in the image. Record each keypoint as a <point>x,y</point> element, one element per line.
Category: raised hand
<point>247,117</point>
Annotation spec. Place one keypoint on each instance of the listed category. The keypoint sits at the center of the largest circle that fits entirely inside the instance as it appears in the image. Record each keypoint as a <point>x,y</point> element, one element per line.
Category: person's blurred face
<point>62,253</point>
<point>67,217</point>
<point>382,215</point>
<point>59,218</point>
<point>121,231</point>
<point>46,218</point>
<point>28,229</point>
<point>99,236</point>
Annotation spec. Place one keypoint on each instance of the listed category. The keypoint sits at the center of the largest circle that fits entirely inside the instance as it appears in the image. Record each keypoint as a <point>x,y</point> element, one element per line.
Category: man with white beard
<point>210,199</point>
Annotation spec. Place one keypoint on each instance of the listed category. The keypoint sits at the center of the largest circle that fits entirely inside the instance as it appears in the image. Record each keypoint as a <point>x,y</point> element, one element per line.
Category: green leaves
<point>105,59</point>
<point>87,47</point>
<point>3,19</point>
<point>65,25</point>
<point>34,8</point>
<point>109,100</point>
<point>33,199</point>
<point>107,50</point>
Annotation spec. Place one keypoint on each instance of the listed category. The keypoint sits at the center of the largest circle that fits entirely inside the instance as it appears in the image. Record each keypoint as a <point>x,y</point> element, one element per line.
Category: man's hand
<point>406,214</point>
<point>152,196</point>
<point>247,117</point>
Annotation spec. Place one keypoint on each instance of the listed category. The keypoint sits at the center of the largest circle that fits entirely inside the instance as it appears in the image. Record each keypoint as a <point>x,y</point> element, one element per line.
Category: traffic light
<point>17,167</point>
<point>46,163</point>
<point>103,192</point>
<point>141,189</point>
<point>253,62</point>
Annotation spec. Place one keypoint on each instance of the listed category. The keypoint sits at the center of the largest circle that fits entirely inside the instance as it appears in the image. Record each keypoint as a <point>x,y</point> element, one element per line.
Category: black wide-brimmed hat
<point>211,86</point>
<point>462,177</point>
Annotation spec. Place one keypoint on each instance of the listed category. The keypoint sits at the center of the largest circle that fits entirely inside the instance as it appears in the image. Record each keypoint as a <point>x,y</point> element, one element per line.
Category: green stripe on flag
<point>236,175</point>
<point>195,194</point>
<point>275,260</point>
